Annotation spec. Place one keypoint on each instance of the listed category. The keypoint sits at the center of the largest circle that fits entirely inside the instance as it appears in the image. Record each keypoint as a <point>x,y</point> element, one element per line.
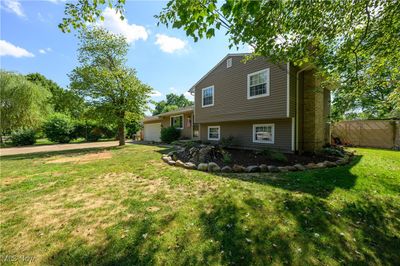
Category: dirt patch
<point>81,159</point>
<point>153,209</point>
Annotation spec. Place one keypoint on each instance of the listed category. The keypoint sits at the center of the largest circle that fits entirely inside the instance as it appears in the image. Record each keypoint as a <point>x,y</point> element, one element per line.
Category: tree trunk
<point>121,132</point>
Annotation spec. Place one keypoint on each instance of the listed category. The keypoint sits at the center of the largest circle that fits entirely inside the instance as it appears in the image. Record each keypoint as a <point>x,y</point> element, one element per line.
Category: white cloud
<point>45,50</point>
<point>169,44</point>
<point>156,93</point>
<point>113,23</point>
<point>189,96</point>
<point>13,6</point>
<point>9,49</point>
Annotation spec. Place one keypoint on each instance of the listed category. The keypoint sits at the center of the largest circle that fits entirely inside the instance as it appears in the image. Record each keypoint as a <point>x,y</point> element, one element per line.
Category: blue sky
<point>166,59</point>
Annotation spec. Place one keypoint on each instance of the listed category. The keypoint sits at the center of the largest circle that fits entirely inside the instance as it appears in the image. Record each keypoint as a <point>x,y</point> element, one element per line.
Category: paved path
<point>56,147</point>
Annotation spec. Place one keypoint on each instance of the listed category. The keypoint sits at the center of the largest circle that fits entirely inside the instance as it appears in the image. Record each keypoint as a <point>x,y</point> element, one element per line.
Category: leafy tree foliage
<point>23,104</point>
<point>171,103</point>
<point>354,44</point>
<point>104,80</point>
<point>63,101</point>
<point>59,128</point>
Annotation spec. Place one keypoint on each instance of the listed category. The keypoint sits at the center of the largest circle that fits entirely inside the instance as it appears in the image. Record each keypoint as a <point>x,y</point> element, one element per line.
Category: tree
<point>63,101</point>
<point>104,80</point>
<point>353,44</point>
<point>173,102</point>
<point>23,104</point>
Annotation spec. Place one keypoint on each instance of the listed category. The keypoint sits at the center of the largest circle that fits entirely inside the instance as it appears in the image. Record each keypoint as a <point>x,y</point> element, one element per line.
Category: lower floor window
<point>264,133</point>
<point>213,132</point>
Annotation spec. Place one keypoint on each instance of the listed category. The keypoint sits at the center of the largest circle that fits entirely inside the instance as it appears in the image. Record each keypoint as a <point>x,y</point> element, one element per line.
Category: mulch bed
<point>249,157</point>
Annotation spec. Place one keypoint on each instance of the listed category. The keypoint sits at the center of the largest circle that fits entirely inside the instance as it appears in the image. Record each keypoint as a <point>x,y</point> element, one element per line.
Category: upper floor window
<point>258,84</point>
<point>177,121</point>
<point>207,95</point>
<point>229,63</point>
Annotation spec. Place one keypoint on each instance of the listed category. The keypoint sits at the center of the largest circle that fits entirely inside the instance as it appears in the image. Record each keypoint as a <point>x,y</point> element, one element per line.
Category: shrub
<point>59,128</point>
<point>170,134</point>
<point>333,151</point>
<point>227,157</point>
<point>226,142</point>
<point>23,137</point>
<point>275,155</point>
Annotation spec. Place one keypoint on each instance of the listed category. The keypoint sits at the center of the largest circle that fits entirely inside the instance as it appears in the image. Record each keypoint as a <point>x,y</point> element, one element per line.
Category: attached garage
<point>152,132</point>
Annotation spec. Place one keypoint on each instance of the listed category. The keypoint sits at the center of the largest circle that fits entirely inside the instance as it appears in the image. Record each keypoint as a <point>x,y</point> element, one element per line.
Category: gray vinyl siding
<point>242,133</point>
<point>293,84</point>
<point>230,93</point>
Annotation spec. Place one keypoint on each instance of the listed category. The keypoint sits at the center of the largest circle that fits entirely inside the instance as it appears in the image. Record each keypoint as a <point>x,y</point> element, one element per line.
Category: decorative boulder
<point>171,162</point>
<point>272,169</point>
<point>226,169</point>
<point>263,168</point>
<point>311,166</point>
<point>330,164</point>
<point>202,167</point>
<point>189,165</point>
<point>213,167</point>
<point>291,168</point>
<point>283,169</point>
<point>252,169</point>
<point>299,167</point>
<point>179,163</point>
<point>166,158</point>
<point>341,162</point>
<point>238,168</point>
<point>321,165</point>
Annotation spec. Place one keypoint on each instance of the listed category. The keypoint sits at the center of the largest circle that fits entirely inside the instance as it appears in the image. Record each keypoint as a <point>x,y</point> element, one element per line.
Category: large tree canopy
<point>62,100</point>
<point>23,104</point>
<point>354,44</point>
<point>172,102</point>
<point>104,80</point>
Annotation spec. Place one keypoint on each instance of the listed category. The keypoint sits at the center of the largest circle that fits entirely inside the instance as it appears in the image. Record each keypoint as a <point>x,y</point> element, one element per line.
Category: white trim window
<point>214,132</point>
<point>176,121</point>
<point>258,84</point>
<point>264,133</point>
<point>207,96</point>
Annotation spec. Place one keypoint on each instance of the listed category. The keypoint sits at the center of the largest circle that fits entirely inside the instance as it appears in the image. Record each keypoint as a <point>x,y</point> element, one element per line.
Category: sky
<point>164,58</point>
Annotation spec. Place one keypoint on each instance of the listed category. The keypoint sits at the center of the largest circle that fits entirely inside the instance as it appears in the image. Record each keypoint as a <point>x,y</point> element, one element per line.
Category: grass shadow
<point>318,182</point>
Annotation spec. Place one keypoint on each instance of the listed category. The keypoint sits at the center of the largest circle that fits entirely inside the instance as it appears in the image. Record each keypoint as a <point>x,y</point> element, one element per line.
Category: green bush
<point>226,142</point>
<point>227,157</point>
<point>170,134</point>
<point>274,155</point>
<point>88,130</point>
<point>23,137</point>
<point>59,128</point>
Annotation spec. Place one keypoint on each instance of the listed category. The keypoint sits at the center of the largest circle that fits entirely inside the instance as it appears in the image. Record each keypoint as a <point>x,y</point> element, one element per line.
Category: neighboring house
<point>260,104</point>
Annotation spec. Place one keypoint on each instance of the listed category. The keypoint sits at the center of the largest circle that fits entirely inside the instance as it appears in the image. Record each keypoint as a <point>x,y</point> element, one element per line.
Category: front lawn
<point>125,206</point>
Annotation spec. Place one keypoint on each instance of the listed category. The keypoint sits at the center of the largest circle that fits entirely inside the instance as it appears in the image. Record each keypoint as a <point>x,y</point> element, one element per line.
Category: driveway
<point>56,147</point>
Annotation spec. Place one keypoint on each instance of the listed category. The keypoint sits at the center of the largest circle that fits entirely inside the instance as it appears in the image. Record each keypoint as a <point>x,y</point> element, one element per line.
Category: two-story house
<point>259,104</point>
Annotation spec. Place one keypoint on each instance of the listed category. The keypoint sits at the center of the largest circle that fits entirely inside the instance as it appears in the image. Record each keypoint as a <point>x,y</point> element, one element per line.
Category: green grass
<point>123,206</point>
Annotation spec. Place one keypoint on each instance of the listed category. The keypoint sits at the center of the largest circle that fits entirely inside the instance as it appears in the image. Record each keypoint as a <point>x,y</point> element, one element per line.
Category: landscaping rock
<point>179,163</point>
<point>291,168</point>
<point>329,164</point>
<point>226,169</point>
<point>263,168</point>
<point>238,168</point>
<point>171,153</point>
<point>252,169</point>
<point>299,167</point>
<point>190,165</point>
<point>203,153</point>
<point>341,162</point>
<point>171,162</point>
<point>321,165</point>
<point>213,167</point>
<point>272,169</point>
<point>166,158</point>
<point>311,166</point>
<point>202,167</point>
<point>283,169</point>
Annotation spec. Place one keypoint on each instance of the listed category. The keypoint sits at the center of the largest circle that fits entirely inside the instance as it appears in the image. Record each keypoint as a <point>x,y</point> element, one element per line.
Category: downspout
<point>297,104</point>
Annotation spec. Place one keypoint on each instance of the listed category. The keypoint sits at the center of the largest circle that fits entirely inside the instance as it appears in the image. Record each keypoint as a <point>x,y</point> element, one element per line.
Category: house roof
<point>183,110</point>
<point>212,69</point>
